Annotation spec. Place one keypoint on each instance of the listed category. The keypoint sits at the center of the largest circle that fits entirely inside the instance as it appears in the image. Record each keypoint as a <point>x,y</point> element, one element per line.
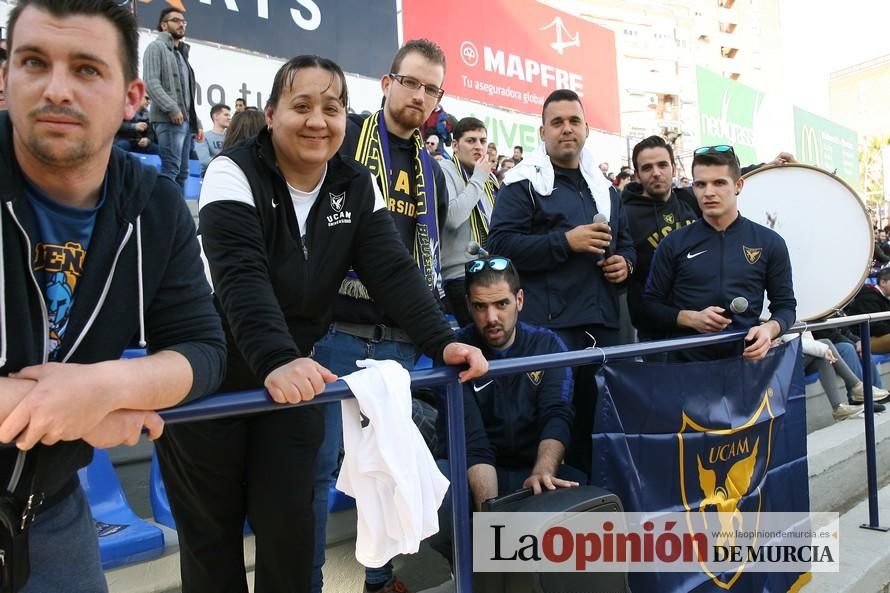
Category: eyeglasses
<point>412,84</point>
<point>498,264</point>
<point>177,20</point>
<point>718,149</point>
<point>430,143</point>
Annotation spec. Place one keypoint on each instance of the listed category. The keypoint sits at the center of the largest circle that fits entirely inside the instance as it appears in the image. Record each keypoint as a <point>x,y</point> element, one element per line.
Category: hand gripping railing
<point>247,402</point>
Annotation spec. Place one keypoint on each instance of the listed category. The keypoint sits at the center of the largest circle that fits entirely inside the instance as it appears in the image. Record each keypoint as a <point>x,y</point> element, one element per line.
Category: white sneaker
<point>844,411</point>
<point>857,394</point>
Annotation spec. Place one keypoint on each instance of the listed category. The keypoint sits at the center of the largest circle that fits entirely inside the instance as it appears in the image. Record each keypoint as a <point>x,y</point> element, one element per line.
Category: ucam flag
<point>725,436</point>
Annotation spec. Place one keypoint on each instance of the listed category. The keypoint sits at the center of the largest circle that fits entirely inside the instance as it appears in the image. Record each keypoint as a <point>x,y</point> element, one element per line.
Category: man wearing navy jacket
<point>698,270</point>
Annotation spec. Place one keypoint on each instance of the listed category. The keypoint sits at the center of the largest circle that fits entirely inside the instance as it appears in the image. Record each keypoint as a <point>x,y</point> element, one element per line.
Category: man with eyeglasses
<point>700,269</point>
<point>517,426</point>
<point>412,188</point>
<point>171,84</point>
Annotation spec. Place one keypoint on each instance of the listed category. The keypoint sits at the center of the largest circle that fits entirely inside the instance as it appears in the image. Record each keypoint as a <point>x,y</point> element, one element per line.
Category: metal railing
<point>247,402</point>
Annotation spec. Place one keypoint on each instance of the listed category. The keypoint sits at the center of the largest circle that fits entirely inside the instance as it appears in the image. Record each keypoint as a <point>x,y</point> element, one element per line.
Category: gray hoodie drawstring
<point>142,342</point>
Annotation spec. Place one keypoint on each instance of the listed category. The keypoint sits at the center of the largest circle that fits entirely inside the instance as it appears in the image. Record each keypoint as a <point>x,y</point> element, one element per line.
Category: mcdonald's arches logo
<point>809,149</point>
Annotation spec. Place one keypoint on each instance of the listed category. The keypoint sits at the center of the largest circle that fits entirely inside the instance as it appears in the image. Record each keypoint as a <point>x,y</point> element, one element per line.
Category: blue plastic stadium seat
<point>423,363</point>
<point>811,378</point>
<point>194,168</point>
<point>124,538</point>
<point>157,493</point>
<point>880,358</point>
<point>337,501</point>
<point>192,188</point>
<point>150,160</point>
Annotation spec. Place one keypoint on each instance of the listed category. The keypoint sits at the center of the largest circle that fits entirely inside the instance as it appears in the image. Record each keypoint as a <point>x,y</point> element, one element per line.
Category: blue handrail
<point>246,402</point>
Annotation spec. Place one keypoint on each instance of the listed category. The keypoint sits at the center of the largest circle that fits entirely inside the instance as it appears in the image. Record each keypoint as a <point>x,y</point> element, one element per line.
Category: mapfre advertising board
<point>513,53</point>
<point>359,35</point>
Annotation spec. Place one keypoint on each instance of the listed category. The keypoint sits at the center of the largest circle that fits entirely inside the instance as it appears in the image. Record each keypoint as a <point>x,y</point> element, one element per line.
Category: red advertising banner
<point>513,53</point>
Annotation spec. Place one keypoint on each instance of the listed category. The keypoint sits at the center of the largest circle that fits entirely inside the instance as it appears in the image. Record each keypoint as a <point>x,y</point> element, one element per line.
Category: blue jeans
<point>849,356</point>
<point>338,352</point>
<point>65,550</point>
<point>174,146</point>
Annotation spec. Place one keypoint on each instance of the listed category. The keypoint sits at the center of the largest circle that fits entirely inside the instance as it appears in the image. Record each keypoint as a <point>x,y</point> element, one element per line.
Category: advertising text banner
<point>827,145</point>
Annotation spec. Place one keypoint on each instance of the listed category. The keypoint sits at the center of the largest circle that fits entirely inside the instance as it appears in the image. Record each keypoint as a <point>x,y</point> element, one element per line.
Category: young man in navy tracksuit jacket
<point>698,270</point>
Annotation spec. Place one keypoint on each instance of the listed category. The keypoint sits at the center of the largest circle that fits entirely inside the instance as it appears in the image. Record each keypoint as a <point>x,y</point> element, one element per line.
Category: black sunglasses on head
<point>498,264</point>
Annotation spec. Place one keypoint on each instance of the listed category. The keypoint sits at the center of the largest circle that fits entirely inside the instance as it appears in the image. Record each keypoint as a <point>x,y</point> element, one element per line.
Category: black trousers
<point>219,472</point>
<point>580,451</point>
<point>456,295</point>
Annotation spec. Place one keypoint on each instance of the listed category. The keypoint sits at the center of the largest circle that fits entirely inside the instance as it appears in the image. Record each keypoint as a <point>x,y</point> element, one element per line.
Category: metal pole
<point>460,495</point>
<point>870,459</point>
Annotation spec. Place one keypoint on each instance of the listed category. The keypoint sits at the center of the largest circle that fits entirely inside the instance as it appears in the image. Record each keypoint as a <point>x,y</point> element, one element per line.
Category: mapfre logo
<point>469,54</point>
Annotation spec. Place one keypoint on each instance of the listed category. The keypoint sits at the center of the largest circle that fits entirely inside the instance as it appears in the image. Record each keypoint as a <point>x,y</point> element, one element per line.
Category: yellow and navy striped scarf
<point>480,218</point>
<point>373,152</point>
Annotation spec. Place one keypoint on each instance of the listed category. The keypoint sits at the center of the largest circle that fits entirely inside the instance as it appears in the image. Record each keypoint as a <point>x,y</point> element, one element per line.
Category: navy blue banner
<point>724,435</point>
<point>360,36</point>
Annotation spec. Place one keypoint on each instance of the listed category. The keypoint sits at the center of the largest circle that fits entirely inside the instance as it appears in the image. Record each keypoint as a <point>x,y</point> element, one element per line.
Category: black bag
<point>15,520</point>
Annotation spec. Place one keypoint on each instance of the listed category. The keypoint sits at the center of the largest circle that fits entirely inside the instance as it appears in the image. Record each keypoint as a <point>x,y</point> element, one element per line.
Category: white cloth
<point>808,344</point>
<point>387,468</point>
<point>538,170</point>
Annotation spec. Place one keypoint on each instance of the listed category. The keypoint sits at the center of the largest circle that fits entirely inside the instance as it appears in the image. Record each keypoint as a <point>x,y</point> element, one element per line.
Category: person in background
<point>136,134</point>
<point>221,116</point>
<point>245,124</point>
<point>240,105</point>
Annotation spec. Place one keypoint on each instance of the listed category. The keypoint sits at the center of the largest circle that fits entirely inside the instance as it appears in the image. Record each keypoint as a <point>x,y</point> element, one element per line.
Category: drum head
<point>826,227</point>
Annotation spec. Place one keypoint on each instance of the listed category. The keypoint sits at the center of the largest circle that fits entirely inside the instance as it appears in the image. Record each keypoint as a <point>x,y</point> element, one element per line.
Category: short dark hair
<point>624,175</point>
<point>245,124</point>
<point>519,148</point>
<point>165,13</point>
<point>884,274</point>
<point>467,124</point>
<point>116,12</point>
<point>428,49</point>
<point>718,159</point>
<point>217,108</point>
<point>240,99</point>
<point>488,276</point>
<point>651,142</point>
<point>561,95</point>
<point>284,78</point>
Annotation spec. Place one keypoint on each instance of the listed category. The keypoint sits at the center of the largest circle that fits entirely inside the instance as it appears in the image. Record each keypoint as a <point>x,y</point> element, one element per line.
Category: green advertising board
<point>827,145</point>
<point>727,110</point>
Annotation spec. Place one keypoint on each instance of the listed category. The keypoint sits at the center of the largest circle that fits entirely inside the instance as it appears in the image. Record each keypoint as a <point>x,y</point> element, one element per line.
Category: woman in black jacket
<point>283,218</point>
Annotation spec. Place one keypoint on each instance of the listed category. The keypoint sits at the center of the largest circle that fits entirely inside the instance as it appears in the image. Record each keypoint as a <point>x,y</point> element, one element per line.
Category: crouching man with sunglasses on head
<point>700,269</point>
<point>517,426</point>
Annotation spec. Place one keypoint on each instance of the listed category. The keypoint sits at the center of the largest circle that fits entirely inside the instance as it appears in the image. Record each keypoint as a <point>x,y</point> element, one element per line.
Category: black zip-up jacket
<point>178,310</point>
<point>562,288</point>
<point>870,299</point>
<point>649,221</point>
<point>507,417</point>
<point>699,266</point>
<point>275,293</point>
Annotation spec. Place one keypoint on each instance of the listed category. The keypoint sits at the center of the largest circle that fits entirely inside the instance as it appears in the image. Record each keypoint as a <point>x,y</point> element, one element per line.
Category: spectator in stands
<point>517,154</point>
<point>78,202</point>
<point>849,347</point>
<point>171,84</point>
<point>492,152</point>
<point>622,179</point>
<point>2,80</point>
<point>881,257</point>
<point>541,224</point>
<point>240,105</point>
<point>684,182</point>
<point>246,124</point>
<point>518,426</point>
<point>604,169</point>
<point>136,133</point>
<point>255,198</point>
<point>507,164</point>
<point>699,269</point>
<point>875,299</point>
<point>432,146</point>
<point>413,188</point>
<point>221,116</point>
<point>471,191</point>
<point>822,356</point>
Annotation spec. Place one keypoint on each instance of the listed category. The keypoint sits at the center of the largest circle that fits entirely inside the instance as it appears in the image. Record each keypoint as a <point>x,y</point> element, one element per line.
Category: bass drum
<point>826,227</point>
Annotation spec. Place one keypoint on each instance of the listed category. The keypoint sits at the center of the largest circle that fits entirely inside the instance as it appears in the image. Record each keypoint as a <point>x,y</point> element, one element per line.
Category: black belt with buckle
<point>372,333</point>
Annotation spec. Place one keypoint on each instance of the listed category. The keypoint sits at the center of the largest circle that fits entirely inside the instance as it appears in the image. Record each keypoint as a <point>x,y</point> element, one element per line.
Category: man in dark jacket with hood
<point>96,250</point>
<point>875,299</point>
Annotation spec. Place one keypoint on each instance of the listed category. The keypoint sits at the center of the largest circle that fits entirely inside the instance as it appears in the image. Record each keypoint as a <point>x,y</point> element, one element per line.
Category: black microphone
<point>600,218</point>
<point>473,248</point>
<point>737,306</point>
